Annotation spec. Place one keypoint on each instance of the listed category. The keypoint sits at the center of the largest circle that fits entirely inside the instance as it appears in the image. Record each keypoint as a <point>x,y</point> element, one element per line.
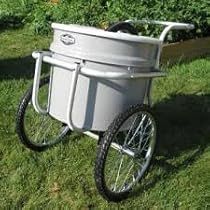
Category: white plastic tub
<point>98,100</point>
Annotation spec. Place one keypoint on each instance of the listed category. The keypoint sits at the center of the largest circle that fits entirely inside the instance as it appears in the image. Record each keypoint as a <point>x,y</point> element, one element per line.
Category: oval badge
<point>67,39</point>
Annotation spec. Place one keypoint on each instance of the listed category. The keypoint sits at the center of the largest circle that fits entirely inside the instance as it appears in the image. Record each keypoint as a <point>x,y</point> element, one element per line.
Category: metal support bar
<point>92,135</point>
<point>37,75</point>
<point>147,96</point>
<point>76,70</point>
<point>121,75</point>
<point>48,59</point>
<point>122,149</point>
<point>177,26</point>
<point>100,74</point>
<point>70,104</point>
<point>113,144</point>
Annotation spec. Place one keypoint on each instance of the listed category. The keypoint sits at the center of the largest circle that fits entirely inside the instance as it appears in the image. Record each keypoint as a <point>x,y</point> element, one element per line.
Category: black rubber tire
<point>20,128</point>
<point>102,152</point>
<point>124,27</point>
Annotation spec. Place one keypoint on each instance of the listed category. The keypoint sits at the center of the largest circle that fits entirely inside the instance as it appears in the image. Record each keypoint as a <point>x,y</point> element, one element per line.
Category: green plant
<point>14,13</point>
<point>40,14</point>
<point>189,11</point>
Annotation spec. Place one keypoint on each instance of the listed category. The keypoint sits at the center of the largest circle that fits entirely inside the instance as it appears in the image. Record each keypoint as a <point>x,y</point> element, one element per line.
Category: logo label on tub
<point>67,39</point>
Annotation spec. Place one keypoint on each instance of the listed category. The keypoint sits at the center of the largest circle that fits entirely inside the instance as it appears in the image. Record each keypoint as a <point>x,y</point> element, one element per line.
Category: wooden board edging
<point>186,50</point>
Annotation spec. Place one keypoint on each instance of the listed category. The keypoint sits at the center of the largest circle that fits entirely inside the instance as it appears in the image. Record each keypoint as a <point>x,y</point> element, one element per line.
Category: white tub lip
<point>92,31</point>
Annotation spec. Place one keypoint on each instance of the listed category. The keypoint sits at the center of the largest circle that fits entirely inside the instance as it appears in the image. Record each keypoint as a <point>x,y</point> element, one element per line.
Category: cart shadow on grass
<point>183,131</point>
<point>18,68</point>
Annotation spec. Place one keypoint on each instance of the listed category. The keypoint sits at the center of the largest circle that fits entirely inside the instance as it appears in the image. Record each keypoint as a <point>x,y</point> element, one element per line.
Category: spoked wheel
<point>125,152</point>
<point>36,131</point>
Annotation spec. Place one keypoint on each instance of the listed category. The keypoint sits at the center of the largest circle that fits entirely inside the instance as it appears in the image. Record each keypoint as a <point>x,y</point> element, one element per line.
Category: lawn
<point>62,177</point>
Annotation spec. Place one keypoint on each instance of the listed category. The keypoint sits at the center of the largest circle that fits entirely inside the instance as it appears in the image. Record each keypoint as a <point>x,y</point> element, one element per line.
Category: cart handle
<point>169,26</point>
<point>39,57</point>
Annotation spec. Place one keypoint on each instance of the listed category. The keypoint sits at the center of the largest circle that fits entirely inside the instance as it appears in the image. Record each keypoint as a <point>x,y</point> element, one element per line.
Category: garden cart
<point>100,85</point>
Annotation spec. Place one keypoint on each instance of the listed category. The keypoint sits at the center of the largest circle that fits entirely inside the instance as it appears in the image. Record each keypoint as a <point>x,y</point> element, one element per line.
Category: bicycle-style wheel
<point>125,152</point>
<point>37,131</point>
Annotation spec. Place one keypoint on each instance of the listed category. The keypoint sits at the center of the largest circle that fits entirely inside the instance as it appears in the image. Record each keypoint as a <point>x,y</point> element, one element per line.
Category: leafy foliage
<point>10,13</point>
<point>101,13</point>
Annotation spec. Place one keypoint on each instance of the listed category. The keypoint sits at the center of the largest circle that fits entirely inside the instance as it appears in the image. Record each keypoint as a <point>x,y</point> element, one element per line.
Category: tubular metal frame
<point>77,68</point>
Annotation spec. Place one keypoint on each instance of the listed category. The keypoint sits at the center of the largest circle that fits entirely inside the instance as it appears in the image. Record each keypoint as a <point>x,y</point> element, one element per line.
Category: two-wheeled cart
<point>99,84</point>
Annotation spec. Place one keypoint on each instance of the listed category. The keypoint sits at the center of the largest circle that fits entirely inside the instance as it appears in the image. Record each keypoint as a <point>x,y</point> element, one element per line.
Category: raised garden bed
<point>186,50</point>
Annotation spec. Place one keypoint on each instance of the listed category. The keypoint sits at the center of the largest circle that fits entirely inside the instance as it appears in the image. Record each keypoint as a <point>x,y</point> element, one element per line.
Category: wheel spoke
<point>118,172</point>
<point>140,164</point>
<point>46,131</point>
<point>41,127</point>
<point>137,130</point>
<point>131,128</point>
<point>130,168</point>
<point>146,141</point>
<point>142,135</point>
<point>113,169</point>
<point>44,126</point>
<point>144,146</point>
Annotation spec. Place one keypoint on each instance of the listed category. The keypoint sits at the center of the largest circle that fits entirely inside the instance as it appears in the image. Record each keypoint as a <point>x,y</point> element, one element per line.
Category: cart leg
<point>147,97</point>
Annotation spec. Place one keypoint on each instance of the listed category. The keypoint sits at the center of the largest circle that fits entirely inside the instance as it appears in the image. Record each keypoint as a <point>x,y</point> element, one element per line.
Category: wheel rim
<point>138,135</point>
<point>42,130</point>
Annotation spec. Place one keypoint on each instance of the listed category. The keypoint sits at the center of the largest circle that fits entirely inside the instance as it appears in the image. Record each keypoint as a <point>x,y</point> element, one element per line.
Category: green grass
<point>62,177</point>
